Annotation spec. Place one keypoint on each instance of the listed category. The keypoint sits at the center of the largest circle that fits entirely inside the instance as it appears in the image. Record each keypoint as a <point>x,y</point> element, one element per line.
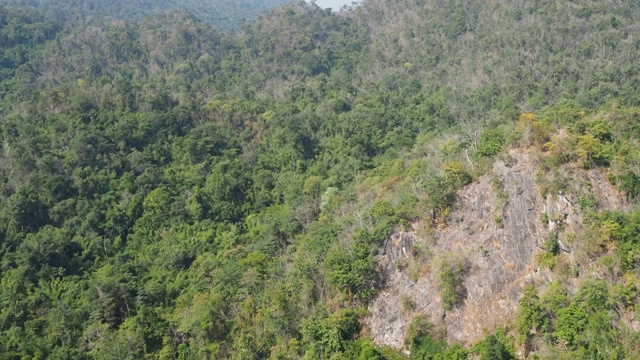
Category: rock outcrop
<point>499,224</point>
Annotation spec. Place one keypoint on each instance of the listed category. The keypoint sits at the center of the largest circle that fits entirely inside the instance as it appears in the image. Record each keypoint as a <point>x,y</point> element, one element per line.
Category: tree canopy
<point>168,190</point>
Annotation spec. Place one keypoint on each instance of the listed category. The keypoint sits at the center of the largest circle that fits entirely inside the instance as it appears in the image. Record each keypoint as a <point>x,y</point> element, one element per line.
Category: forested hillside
<point>171,191</point>
<point>221,14</point>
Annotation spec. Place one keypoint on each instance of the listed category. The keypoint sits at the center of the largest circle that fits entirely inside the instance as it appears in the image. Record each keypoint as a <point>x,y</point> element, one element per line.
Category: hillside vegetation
<point>221,14</point>
<point>170,191</point>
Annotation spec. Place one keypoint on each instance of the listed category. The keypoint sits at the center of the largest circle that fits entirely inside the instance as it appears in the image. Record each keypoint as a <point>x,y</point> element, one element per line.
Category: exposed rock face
<point>497,229</point>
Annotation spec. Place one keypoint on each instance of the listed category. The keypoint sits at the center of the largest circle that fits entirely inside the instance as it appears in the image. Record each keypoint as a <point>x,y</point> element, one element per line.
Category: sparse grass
<point>500,199</point>
<point>451,273</point>
<point>547,258</point>
<point>407,304</point>
<point>544,217</point>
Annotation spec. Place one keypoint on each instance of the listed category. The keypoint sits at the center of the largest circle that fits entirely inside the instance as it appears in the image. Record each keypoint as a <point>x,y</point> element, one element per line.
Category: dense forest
<point>221,14</point>
<point>171,191</point>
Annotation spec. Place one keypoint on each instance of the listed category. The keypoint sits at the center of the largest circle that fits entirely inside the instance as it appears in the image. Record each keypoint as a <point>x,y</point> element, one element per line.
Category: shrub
<point>496,346</point>
<point>530,316</point>
<point>448,288</point>
<point>630,184</point>
<point>455,174</point>
<point>533,131</point>
<point>422,339</point>
<point>547,258</point>
<point>491,142</point>
<point>451,273</point>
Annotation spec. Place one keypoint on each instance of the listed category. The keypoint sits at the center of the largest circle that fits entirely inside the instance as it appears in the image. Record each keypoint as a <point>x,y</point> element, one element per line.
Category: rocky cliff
<point>492,237</point>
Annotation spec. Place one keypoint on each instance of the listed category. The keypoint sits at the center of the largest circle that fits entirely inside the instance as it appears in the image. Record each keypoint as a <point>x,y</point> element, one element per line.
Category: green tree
<point>530,318</point>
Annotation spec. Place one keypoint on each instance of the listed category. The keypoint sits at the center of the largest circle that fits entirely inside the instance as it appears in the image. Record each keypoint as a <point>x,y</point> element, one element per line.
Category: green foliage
<point>419,327</point>
<point>382,209</point>
<point>630,184</point>
<point>555,297</point>
<point>624,294</point>
<point>455,352</point>
<point>448,288</point>
<point>624,229</point>
<point>530,316</point>
<point>591,152</point>
<point>592,294</point>
<point>169,191</point>
<point>551,249</point>
<point>368,352</point>
<point>496,346</point>
<point>327,197</point>
<point>570,323</point>
<point>220,13</point>
<point>22,34</point>
<point>451,275</point>
<point>491,142</point>
<point>424,342</point>
<point>329,335</point>
<point>551,245</point>
<point>586,202</point>
<point>581,323</point>
<point>455,174</point>
<point>352,269</point>
<point>544,218</point>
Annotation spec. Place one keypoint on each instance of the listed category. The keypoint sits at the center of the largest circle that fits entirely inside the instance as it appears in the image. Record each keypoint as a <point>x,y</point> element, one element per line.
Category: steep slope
<point>491,240</point>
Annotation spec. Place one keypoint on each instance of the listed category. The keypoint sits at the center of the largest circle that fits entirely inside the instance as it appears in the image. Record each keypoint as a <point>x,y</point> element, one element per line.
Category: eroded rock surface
<point>497,228</point>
